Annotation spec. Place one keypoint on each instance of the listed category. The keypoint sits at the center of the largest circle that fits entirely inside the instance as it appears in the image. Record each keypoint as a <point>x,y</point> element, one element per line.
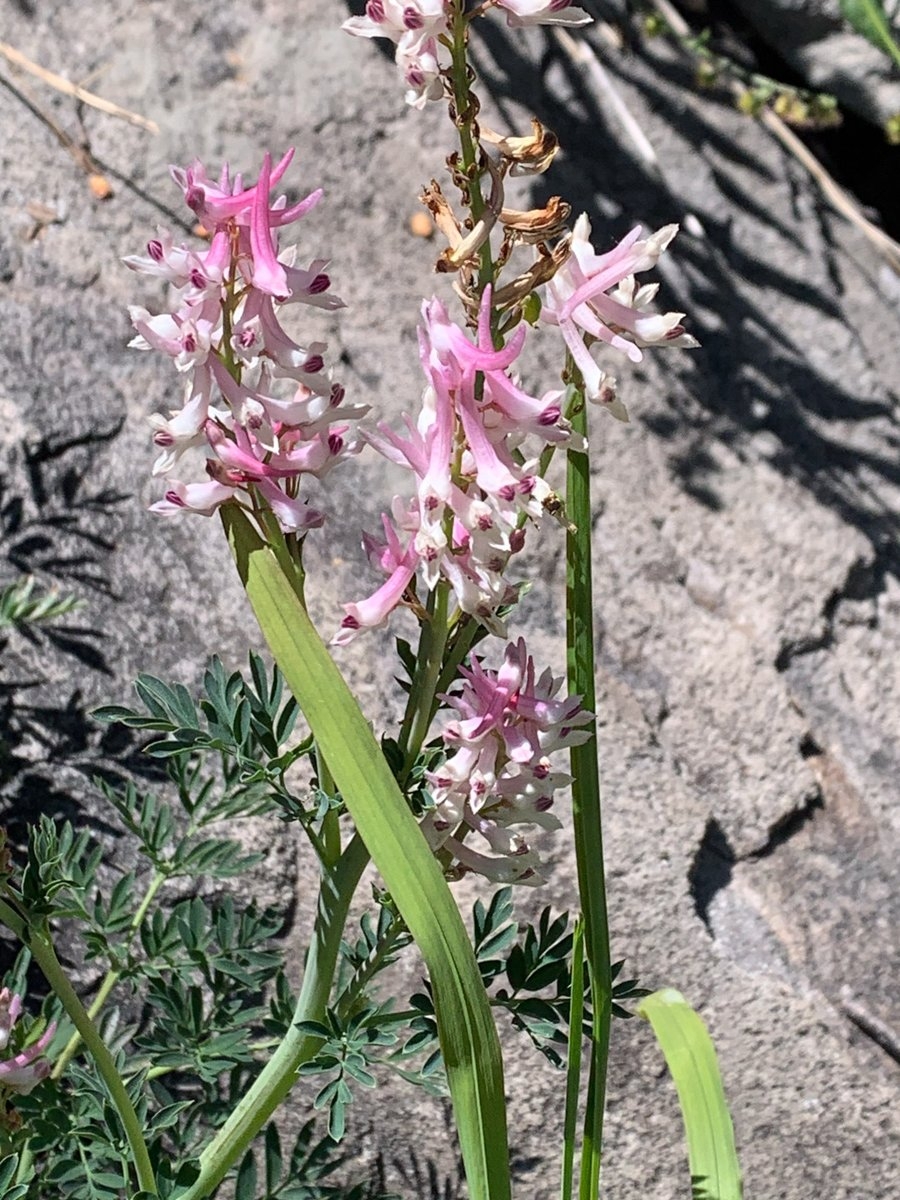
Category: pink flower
<point>498,774</point>
<point>597,294</point>
<point>203,498</point>
<point>471,479</point>
<point>421,73</point>
<point>542,12</point>
<point>23,1071</point>
<point>408,23</point>
<point>399,563</point>
<point>415,27</point>
<point>224,332</point>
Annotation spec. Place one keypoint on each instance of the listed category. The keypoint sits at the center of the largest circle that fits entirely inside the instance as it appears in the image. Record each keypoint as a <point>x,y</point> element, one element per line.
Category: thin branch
<point>840,200</point>
<point>72,89</point>
<point>583,55</point>
<point>79,153</point>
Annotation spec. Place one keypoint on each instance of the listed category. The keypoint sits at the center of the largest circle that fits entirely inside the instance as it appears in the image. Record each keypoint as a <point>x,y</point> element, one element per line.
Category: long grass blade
<point>573,1061</point>
<point>691,1059</point>
<point>468,1037</point>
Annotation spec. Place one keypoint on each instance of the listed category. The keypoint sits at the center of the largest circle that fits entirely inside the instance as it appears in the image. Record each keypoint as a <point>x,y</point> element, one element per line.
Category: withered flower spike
<point>537,224</point>
<point>540,271</point>
<point>439,207</point>
<point>453,258</point>
<point>530,155</point>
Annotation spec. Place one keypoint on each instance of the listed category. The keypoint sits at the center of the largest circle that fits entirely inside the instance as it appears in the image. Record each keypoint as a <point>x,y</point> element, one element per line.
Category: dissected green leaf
<point>691,1059</point>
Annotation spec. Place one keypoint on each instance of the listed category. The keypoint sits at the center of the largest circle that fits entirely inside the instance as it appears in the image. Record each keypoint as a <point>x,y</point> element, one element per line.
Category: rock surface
<point>747,562</point>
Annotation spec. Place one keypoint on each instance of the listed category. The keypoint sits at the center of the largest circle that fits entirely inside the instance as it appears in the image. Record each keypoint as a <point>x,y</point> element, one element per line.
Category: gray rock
<point>746,545</point>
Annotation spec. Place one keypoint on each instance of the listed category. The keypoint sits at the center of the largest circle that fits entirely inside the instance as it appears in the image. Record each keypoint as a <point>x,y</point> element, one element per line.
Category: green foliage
<point>9,1189</point>
<point>249,721</point>
<point>533,965</point>
<point>870,18</point>
<point>197,993</point>
<point>350,1048</point>
<point>302,1177</point>
<point>691,1059</point>
<point>21,605</point>
<point>195,986</point>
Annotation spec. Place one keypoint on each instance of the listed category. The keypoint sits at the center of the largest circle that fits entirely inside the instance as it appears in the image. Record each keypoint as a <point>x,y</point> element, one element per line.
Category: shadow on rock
<point>56,526</point>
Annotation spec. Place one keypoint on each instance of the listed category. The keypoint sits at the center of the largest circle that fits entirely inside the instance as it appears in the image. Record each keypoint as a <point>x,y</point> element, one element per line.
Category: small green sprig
<point>20,604</point>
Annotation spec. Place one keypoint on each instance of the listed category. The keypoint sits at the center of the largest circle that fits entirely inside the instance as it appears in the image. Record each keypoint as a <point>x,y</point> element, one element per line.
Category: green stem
<point>428,671</point>
<point>370,967</point>
<point>110,979</point>
<point>330,832</point>
<point>466,106</point>
<point>45,956</point>
<point>280,1072</point>
<point>586,811</point>
<point>461,646</point>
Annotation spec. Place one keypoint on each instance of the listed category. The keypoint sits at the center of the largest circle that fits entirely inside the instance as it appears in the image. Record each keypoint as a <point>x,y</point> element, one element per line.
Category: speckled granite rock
<point>746,551</point>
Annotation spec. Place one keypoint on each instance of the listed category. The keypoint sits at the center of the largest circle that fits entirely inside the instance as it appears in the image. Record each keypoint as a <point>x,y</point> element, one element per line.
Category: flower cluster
<point>416,27</point>
<point>498,776</point>
<point>26,1069</point>
<point>597,294</point>
<point>280,414</point>
<point>472,481</point>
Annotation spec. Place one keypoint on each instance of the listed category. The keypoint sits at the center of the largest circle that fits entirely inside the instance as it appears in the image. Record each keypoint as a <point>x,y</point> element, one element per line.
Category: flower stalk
<point>45,956</point>
<point>586,808</point>
<point>279,1075</point>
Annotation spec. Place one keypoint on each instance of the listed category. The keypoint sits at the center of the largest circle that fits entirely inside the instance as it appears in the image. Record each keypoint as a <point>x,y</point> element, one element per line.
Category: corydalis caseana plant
<point>443,797</point>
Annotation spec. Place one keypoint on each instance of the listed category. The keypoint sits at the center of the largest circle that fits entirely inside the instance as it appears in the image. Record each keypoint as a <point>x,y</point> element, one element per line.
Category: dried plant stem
<point>833,192</point>
<point>584,56</point>
<point>72,89</point>
<point>79,153</point>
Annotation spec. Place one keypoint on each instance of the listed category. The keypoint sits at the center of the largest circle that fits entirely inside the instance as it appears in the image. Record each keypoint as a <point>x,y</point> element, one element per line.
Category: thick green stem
<point>586,796</point>
<point>280,1073</point>
<point>45,956</point>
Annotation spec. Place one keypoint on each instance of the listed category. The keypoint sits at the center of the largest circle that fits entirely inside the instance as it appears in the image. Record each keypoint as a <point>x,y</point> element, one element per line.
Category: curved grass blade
<point>691,1059</point>
<point>869,18</point>
<point>468,1037</point>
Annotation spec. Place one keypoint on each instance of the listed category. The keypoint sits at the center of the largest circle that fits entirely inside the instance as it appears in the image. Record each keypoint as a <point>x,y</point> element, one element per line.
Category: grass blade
<point>691,1059</point>
<point>468,1037</point>
<point>869,18</point>
<point>586,814</point>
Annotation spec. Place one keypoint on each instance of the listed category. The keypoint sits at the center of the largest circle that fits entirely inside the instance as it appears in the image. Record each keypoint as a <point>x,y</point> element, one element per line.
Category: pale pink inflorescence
<point>472,480</point>
<point>597,294</point>
<point>263,408</point>
<point>498,776</point>
<point>25,1070</point>
<point>542,12</point>
<point>416,27</point>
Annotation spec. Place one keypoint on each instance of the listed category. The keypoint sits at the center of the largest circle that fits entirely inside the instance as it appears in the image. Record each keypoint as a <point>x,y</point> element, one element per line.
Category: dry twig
<point>833,192</point>
<point>72,89</point>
